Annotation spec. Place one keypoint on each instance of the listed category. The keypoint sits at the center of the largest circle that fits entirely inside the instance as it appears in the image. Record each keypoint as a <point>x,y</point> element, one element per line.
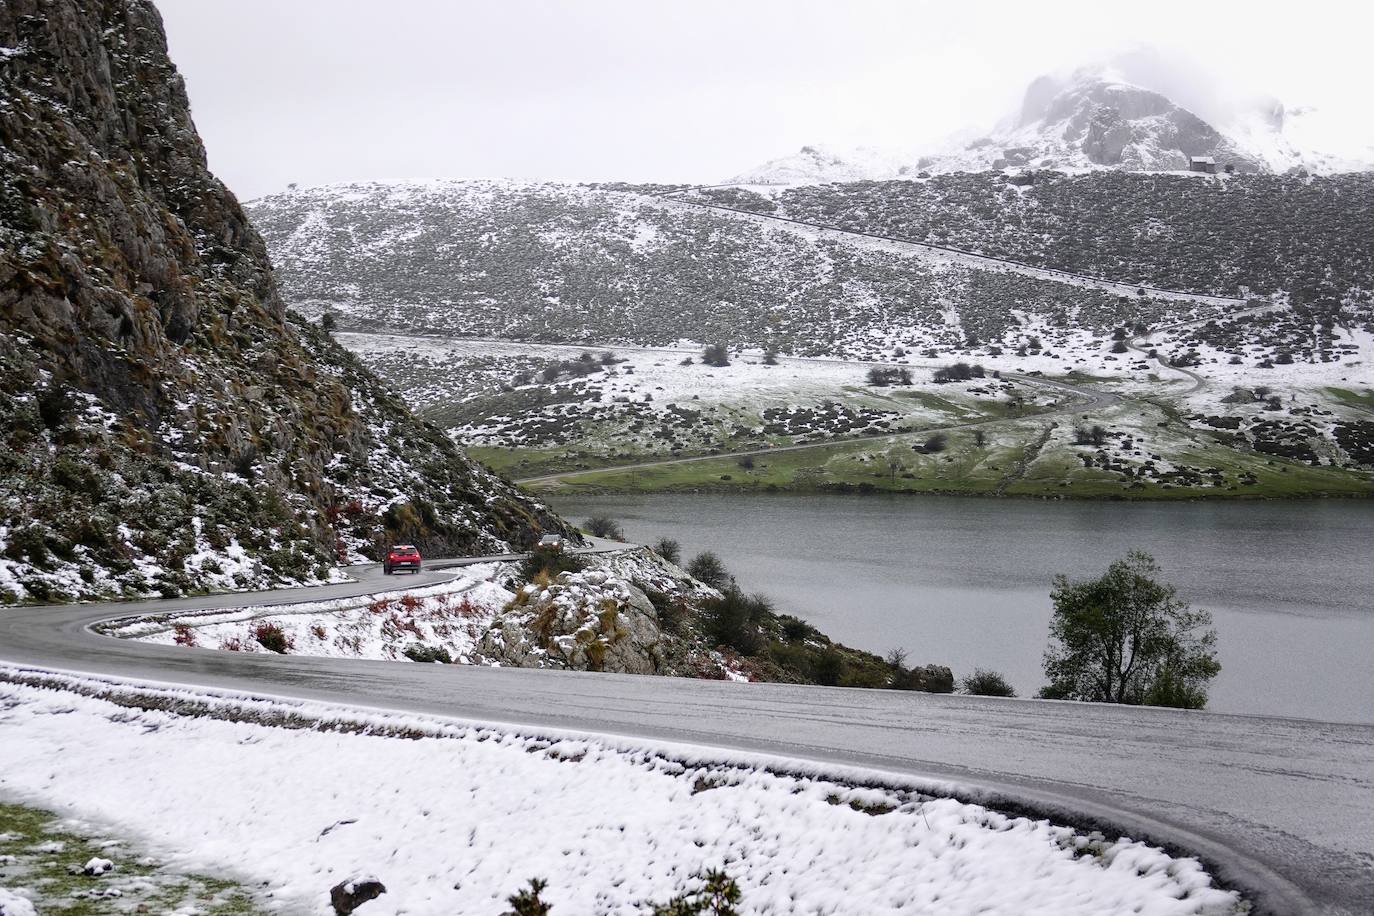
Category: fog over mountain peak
<point>1141,109</point>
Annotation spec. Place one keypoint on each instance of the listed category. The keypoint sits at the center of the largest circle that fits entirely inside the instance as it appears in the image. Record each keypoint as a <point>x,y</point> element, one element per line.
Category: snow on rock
<point>97,866</point>
<point>460,816</point>
<point>1138,112</point>
<point>347,896</point>
<point>12,904</point>
<point>582,621</point>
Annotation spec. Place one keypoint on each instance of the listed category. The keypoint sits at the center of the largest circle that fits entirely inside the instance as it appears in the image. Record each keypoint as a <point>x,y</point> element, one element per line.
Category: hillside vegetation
<point>1199,323</point>
<point>1310,237</point>
<point>609,264</point>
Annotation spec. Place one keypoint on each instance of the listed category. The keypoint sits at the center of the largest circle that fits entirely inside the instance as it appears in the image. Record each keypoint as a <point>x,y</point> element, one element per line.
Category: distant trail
<point>1028,455</point>
<point>986,262</point>
<point>1199,382</point>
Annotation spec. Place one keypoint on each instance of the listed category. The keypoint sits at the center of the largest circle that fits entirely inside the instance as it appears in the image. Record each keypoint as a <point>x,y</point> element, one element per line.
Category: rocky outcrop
<point>167,424</point>
<point>597,619</point>
<point>347,896</point>
<point>1113,124</point>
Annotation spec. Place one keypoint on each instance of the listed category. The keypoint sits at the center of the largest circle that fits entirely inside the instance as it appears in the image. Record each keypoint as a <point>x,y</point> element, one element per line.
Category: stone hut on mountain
<point>1207,164</point>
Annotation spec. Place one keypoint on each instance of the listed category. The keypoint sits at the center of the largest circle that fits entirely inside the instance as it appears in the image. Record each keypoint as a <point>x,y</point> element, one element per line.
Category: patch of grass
<point>43,849</point>
<point>1363,399</point>
<point>534,462</point>
<point>851,466</point>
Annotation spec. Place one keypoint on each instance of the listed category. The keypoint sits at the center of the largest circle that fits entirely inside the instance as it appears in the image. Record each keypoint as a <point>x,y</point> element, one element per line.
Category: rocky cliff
<point>167,424</point>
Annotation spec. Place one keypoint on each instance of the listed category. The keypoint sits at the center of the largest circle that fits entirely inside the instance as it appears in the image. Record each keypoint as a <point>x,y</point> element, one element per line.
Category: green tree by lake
<point>1128,638</point>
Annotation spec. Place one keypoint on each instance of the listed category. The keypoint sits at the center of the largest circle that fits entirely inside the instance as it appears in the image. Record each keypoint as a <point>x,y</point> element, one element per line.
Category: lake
<point>965,582</point>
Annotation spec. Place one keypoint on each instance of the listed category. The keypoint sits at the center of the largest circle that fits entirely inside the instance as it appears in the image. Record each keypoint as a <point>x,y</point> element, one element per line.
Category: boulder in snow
<point>347,896</point>
<point>97,867</point>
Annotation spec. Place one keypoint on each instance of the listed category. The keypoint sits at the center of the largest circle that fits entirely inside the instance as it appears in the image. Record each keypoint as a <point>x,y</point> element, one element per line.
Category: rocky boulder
<point>582,621</point>
<point>347,896</point>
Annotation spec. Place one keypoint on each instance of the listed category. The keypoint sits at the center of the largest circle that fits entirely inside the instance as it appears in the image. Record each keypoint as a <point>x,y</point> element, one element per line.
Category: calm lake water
<point>965,582</point>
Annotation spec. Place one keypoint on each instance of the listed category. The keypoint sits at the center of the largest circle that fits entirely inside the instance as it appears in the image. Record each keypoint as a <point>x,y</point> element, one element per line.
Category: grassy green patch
<point>534,462</point>
<point>892,465</point>
<point>38,854</point>
<point>1243,476</point>
<point>889,464</point>
<point>1364,399</point>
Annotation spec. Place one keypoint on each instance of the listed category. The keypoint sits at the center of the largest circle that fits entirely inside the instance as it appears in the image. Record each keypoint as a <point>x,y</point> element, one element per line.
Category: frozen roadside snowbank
<point>459,816</point>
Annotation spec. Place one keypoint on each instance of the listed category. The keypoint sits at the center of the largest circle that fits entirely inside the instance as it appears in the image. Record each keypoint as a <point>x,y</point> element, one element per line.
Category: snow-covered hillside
<point>1101,117</point>
<point>616,264</point>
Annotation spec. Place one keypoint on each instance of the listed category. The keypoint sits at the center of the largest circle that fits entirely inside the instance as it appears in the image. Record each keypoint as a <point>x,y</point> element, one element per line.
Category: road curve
<point>1282,808</point>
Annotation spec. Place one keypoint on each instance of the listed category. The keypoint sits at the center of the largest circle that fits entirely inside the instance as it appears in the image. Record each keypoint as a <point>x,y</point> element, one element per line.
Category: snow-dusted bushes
<point>1262,233</point>
<point>271,637</point>
<point>484,256</point>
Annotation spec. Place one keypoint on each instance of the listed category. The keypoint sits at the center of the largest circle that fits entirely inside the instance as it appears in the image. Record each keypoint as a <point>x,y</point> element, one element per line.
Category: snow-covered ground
<point>663,375</point>
<point>452,615</point>
<point>652,382</point>
<point>453,817</point>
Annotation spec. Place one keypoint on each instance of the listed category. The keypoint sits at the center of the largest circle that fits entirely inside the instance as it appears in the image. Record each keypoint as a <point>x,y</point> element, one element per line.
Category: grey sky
<point>321,91</point>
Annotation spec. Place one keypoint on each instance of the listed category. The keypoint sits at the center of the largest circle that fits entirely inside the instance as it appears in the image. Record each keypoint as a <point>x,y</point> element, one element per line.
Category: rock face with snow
<point>1107,123</point>
<point>167,424</point>
<point>347,896</point>
<point>593,620</point>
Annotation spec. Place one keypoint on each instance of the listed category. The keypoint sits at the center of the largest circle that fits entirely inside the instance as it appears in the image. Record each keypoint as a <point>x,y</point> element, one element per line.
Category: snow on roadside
<point>452,615</point>
<point>598,618</point>
<point>460,816</point>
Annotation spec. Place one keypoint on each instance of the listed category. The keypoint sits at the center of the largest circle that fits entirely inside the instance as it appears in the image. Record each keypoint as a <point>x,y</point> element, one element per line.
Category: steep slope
<point>167,424</point>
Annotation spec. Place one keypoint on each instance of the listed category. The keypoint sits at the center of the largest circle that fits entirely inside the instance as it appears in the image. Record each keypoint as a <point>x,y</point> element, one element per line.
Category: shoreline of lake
<point>966,582</point>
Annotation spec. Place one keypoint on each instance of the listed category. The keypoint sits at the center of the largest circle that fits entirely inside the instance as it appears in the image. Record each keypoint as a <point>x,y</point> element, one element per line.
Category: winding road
<point>1281,808</point>
<point>1138,344</point>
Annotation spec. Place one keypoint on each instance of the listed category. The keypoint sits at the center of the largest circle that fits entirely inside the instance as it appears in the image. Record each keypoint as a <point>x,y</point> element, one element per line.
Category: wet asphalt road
<point>1282,808</point>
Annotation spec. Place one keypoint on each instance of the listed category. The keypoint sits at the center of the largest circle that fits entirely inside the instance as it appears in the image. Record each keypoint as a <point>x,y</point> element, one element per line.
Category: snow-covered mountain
<point>1098,118</point>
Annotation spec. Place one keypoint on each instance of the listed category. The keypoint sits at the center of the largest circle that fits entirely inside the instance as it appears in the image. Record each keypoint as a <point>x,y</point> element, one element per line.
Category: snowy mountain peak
<point>1138,112</point>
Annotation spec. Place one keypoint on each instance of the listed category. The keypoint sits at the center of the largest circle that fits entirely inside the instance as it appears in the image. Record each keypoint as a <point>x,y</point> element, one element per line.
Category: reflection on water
<point>966,582</point>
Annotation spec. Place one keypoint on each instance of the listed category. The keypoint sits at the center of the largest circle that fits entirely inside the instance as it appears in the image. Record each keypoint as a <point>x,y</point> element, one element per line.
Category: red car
<point>402,556</point>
